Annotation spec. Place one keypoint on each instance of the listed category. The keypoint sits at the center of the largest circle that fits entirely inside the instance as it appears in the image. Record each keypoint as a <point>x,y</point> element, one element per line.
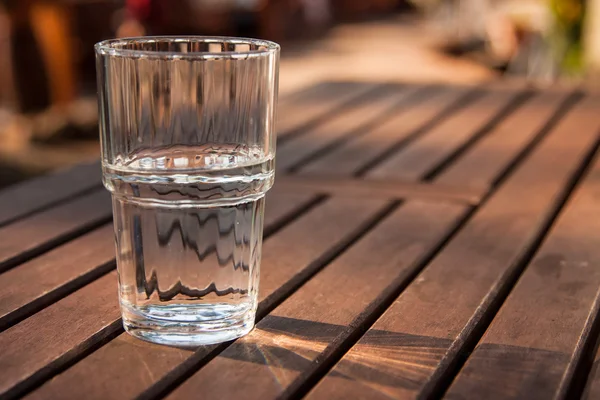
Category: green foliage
<point>567,35</point>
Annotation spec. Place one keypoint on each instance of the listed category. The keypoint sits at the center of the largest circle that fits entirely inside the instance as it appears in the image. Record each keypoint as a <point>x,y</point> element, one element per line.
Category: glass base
<point>188,325</point>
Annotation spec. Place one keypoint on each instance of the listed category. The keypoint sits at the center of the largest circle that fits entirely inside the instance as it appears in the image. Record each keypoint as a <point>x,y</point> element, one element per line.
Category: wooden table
<point>421,241</point>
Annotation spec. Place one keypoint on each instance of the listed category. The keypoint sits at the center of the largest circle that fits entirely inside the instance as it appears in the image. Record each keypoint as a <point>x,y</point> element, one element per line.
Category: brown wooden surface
<point>420,241</point>
<point>353,156</point>
<point>37,194</point>
<point>531,342</point>
<point>429,150</point>
<point>316,105</point>
<point>383,189</point>
<point>296,339</point>
<point>432,321</point>
<point>592,388</point>
<point>40,281</point>
<point>482,164</point>
<point>353,120</point>
<point>42,231</point>
<point>41,343</point>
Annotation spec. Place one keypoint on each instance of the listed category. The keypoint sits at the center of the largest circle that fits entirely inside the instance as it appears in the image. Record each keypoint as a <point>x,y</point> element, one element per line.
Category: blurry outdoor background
<point>47,73</point>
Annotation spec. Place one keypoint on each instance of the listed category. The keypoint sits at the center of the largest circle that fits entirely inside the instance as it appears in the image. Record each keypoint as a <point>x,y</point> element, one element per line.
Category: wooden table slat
<point>407,123</point>
<point>37,194</point>
<point>46,278</point>
<point>432,148</point>
<point>33,348</point>
<point>42,231</point>
<point>382,189</point>
<point>316,105</point>
<point>355,119</point>
<point>528,347</point>
<point>483,163</point>
<point>433,320</point>
<point>314,91</point>
<point>283,268</point>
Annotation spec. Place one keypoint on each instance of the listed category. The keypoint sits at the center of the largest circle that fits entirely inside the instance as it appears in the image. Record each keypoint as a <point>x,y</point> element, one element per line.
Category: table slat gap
<point>346,159</point>
<point>39,233</point>
<point>308,118</point>
<point>40,194</point>
<point>464,101</point>
<point>582,380</point>
<point>510,108</point>
<point>361,112</point>
<point>574,381</point>
<point>405,100</point>
<point>480,170</point>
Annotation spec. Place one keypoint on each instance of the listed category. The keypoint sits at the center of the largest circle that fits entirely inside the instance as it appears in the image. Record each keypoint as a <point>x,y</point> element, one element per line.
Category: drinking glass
<point>188,149</point>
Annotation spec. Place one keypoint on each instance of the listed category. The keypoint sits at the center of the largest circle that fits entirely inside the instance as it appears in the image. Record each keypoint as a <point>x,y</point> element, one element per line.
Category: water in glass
<point>188,226</point>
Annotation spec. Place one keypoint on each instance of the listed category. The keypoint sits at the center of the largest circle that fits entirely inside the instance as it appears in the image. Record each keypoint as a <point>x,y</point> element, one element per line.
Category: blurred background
<point>48,110</point>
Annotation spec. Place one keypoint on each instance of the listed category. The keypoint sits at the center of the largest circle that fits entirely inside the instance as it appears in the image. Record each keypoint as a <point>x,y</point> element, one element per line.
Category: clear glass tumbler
<point>188,148</point>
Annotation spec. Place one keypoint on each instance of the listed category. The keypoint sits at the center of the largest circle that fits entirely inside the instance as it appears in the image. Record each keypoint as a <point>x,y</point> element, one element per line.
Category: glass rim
<point>108,47</point>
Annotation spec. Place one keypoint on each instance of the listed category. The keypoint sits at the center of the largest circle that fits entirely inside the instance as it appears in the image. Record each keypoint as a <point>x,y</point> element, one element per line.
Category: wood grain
<point>317,104</point>
<point>431,321</point>
<point>382,189</point>
<point>42,231</point>
<point>57,334</point>
<point>481,164</point>
<point>281,205</point>
<point>296,338</point>
<point>37,282</point>
<point>43,192</point>
<point>526,350</point>
<point>290,255</point>
<point>349,158</point>
<point>354,119</point>
<point>429,150</point>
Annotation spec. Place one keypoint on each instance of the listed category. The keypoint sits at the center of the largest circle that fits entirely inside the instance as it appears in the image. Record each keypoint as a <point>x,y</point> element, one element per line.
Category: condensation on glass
<point>188,153</point>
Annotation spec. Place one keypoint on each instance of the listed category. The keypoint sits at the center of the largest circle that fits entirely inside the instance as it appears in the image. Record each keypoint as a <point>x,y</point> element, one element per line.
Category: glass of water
<point>188,148</point>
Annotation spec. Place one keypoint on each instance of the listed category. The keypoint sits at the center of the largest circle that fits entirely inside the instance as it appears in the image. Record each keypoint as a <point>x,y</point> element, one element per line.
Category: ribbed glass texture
<point>164,91</point>
<point>188,148</point>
